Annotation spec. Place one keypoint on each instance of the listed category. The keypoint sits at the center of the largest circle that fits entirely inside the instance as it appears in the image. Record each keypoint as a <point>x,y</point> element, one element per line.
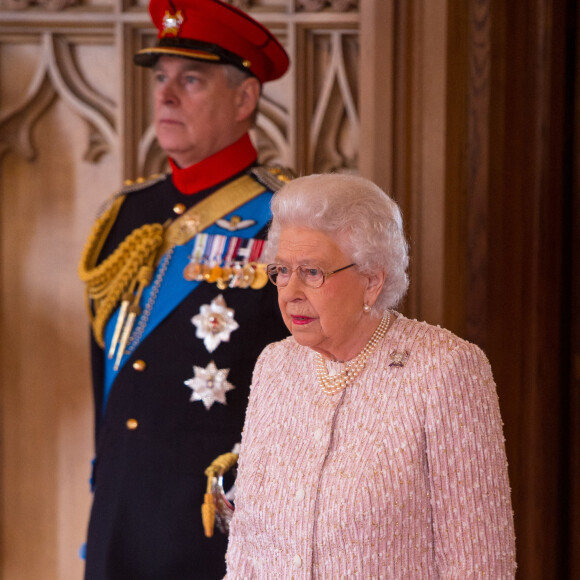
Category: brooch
<point>399,359</point>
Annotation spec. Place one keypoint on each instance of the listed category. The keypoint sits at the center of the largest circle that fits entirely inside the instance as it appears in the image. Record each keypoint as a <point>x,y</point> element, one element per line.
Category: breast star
<point>215,322</point>
<point>209,385</point>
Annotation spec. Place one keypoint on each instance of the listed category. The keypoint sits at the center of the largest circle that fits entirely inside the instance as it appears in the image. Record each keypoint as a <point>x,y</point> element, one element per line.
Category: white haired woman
<point>373,444</point>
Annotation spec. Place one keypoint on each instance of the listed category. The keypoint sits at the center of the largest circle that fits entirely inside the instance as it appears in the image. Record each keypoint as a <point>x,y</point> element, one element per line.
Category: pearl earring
<point>366,308</point>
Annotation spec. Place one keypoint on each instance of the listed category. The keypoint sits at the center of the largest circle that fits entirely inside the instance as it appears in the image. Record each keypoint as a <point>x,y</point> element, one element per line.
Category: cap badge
<point>171,23</point>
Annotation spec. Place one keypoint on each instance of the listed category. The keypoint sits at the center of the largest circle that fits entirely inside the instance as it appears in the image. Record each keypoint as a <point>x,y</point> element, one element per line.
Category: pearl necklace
<point>331,385</point>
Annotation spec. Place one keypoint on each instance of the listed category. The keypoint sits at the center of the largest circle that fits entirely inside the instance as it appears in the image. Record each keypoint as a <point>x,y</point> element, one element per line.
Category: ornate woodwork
<point>75,122</point>
<point>465,112</point>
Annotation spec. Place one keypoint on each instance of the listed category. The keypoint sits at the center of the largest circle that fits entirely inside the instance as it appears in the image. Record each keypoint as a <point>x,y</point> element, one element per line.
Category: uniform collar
<point>216,168</point>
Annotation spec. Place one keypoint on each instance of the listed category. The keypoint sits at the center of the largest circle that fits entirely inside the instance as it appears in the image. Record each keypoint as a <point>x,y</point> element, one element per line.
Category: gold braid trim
<point>115,280</point>
<point>117,276</point>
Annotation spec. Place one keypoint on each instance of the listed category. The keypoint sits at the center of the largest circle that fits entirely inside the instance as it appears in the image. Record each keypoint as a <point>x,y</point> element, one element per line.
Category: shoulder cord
<point>116,278</point>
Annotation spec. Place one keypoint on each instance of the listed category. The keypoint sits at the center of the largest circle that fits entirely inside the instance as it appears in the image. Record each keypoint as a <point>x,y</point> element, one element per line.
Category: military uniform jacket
<point>153,442</point>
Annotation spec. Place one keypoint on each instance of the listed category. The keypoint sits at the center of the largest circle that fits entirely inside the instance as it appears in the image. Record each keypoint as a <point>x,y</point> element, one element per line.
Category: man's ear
<point>248,94</point>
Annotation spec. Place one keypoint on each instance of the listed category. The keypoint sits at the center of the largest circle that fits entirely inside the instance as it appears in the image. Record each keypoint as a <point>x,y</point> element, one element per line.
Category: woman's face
<point>329,319</point>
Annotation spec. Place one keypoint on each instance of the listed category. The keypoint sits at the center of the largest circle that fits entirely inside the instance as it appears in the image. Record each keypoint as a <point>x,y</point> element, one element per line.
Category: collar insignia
<point>235,223</point>
<point>171,23</point>
<point>399,359</point>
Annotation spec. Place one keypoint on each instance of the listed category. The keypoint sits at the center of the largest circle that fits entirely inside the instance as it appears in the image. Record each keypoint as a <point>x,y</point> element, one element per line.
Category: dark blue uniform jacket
<point>149,481</point>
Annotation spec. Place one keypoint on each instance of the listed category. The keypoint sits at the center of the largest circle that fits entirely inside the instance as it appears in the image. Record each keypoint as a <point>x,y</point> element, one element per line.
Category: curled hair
<point>358,215</point>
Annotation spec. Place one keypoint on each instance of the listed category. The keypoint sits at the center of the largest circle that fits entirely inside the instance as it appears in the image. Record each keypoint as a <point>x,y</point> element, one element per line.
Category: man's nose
<point>168,93</point>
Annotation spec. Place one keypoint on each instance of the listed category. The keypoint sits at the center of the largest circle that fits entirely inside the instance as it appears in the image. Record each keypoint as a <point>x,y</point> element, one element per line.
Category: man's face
<point>197,111</point>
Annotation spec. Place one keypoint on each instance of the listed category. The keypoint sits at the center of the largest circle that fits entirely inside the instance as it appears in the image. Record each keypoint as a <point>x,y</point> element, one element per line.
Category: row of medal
<point>227,261</point>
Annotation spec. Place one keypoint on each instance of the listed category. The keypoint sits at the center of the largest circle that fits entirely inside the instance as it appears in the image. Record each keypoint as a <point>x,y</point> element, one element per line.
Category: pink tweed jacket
<point>401,476</point>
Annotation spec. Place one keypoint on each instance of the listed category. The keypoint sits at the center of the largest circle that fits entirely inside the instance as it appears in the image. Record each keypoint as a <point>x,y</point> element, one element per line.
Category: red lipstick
<point>300,320</point>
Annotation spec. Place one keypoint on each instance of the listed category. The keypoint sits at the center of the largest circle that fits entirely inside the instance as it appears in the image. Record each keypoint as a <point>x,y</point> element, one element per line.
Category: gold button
<point>140,365</point>
<point>178,208</point>
<point>132,424</point>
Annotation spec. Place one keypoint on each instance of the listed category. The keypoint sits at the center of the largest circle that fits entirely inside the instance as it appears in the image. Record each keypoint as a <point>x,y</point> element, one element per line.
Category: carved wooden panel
<point>59,149</point>
<point>308,122</point>
<point>453,107</point>
<point>75,121</point>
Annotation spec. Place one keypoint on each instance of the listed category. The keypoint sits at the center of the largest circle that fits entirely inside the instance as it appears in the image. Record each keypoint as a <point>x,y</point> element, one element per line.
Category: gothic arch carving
<point>307,126</point>
<point>335,122</point>
<point>57,76</point>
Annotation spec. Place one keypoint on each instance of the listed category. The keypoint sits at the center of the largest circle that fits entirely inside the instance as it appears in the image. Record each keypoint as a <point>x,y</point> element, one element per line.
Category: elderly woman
<point>373,444</point>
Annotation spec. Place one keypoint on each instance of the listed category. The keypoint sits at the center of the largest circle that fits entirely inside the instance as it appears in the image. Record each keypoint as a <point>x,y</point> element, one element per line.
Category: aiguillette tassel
<point>208,515</point>
<point>134,311</point>
<point>119,325</point>
<point>144,277</point>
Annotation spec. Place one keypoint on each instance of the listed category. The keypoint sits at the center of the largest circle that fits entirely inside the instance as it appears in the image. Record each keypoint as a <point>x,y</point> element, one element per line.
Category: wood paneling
<point>526,233</point>
<point>75,121</point>
<point>466,112</point>
<point>508,198</point>
<point>572,475</point>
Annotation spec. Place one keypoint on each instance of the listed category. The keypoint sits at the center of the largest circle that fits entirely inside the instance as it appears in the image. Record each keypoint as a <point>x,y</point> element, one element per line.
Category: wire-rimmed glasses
<point>311,276</point>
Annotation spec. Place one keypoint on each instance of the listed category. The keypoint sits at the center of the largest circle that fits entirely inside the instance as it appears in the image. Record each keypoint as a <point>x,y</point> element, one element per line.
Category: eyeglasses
<point>311,276</point>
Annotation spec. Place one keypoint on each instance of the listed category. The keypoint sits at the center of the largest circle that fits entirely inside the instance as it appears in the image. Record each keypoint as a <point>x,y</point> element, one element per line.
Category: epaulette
<point>129,186</point>
<point>273,177</point>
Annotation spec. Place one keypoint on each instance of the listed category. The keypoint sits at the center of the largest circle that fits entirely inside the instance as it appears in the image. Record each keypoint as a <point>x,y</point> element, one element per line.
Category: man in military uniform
<point>178,299</point>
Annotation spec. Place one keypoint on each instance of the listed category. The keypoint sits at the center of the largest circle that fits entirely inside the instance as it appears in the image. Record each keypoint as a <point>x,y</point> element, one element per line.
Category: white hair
<point>358,215</point>
<point>234,75</point>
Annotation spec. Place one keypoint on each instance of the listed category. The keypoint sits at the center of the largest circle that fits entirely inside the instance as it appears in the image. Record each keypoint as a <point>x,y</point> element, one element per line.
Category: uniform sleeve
<point>470,493</point>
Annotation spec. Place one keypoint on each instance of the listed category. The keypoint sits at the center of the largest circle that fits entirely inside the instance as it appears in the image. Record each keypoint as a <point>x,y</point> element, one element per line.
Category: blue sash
<point>175,287</point>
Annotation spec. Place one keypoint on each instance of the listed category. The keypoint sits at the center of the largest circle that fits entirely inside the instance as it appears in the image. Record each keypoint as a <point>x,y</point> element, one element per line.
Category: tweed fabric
<point>402,475</point>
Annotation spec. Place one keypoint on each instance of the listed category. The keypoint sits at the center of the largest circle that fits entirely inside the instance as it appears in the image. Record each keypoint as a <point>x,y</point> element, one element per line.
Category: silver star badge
<point>209,385</point>
<point>215,322</point>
